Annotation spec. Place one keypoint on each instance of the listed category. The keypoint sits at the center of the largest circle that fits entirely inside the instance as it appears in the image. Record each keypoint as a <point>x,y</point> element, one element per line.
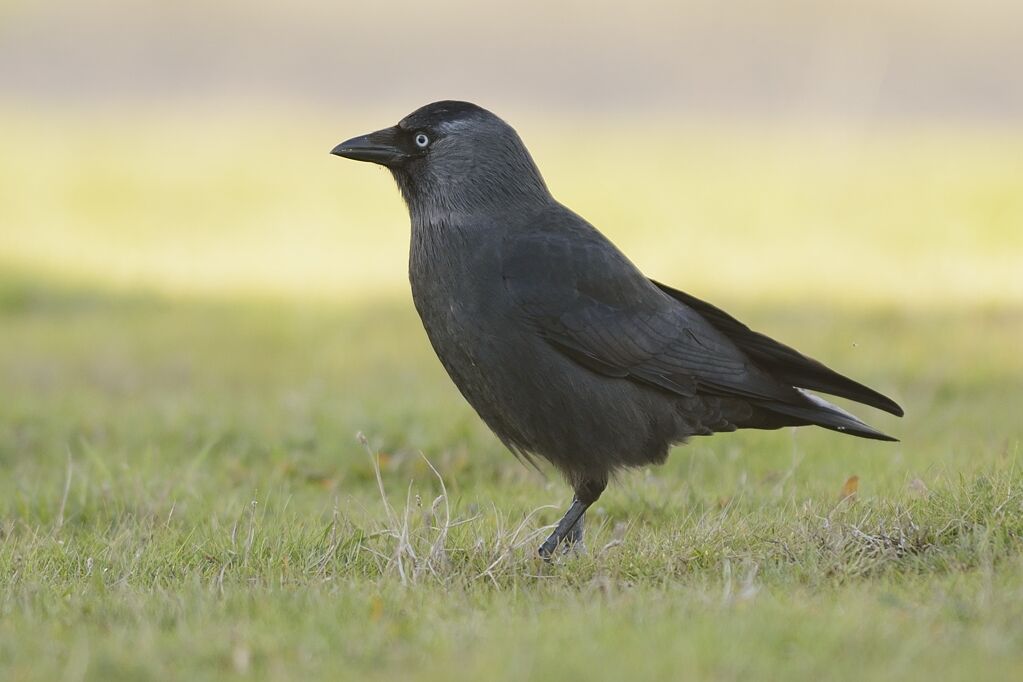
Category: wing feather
<point>590,303</point>
<point>782,361</point>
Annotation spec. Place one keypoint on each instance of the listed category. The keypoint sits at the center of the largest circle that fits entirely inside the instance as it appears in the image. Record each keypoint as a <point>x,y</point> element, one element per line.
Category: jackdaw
<point>561,345</point>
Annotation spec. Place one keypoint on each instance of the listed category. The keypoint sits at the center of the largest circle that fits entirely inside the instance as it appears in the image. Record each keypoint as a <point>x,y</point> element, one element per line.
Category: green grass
<point>196,321</point>
<point>184,495</point>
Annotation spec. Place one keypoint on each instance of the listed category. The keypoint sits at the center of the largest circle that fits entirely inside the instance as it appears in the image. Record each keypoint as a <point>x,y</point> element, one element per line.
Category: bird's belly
<point>533,397</point>
<point>538,400</point>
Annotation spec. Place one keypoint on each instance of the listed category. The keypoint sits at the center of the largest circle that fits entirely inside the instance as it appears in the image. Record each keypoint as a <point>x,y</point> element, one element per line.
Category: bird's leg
<point>570,527</point>
<point>574,538</point>
<point>567,522</point>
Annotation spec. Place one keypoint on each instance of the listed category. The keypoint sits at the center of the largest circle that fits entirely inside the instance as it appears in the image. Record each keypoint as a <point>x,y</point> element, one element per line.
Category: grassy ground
<point>183,494</point>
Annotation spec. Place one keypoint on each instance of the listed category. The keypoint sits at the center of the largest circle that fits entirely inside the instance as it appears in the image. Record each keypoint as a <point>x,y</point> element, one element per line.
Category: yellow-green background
<point>200,308</point>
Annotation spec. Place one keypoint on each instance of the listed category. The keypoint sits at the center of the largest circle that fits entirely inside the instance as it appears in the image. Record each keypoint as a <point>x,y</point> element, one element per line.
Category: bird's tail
<point>822,413</point>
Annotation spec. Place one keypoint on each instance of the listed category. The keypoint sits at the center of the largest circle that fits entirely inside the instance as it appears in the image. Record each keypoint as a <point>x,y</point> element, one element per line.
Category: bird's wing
<point>584,297</point>
<point>782,361</point>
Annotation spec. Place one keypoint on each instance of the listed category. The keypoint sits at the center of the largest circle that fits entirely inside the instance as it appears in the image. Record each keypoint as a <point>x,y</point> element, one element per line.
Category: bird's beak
<point>379,147</point>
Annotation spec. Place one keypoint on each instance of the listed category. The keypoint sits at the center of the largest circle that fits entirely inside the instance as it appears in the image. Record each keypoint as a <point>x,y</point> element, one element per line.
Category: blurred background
<point>866,152</point>
<point>182,262</point>
<point>200,307</point>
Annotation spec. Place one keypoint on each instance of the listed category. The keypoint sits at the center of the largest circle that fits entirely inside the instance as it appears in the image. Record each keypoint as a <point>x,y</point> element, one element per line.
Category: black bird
<point>564,348</point>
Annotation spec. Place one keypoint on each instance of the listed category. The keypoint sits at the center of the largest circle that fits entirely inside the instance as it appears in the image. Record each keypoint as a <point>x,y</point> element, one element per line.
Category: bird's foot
<point>568,534</point>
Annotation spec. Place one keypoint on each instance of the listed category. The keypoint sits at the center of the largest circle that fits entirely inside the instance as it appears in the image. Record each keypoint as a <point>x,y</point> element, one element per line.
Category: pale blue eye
<point>422,140</point>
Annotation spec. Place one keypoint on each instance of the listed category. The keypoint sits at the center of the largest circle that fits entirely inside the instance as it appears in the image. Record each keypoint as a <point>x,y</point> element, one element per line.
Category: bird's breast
<point>460,297</point>
<point>453,268</point>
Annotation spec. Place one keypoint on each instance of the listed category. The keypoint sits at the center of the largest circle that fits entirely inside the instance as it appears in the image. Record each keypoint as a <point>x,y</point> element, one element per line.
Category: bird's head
<point>452,157</point>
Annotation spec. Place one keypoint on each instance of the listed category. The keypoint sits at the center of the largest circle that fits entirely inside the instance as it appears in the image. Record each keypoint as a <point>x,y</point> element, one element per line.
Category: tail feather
<point>820,412</point>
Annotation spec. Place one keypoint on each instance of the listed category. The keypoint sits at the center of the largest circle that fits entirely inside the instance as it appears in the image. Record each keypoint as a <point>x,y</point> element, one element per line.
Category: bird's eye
<point>422,140</point>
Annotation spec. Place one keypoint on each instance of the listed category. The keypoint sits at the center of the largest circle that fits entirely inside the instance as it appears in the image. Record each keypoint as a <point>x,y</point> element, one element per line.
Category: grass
<point>183,493</point>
